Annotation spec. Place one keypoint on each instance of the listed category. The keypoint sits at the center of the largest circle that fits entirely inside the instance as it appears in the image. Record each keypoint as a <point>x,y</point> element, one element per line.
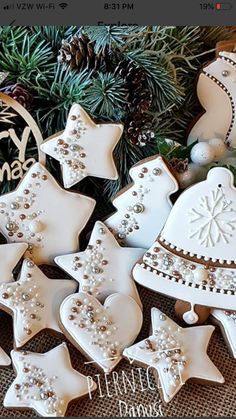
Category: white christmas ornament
<point>202,153</point>
<point>101,332</point>
<point>175,354</point>
<point>84,148</point>
<point>195,260</point>
<point>216,90</point>
<point>42,214</point>
<point>143,206</point>
<point>46,382</point>
<point>34,302</point>
<point>104,267</point>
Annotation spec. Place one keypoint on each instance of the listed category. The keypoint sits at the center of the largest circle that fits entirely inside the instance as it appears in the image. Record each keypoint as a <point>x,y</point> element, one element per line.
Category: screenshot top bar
<point>125,12</point>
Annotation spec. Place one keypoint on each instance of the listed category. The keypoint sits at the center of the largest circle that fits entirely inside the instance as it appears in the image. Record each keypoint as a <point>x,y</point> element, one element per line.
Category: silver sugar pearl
<point>156,171</point>
<point>30,264</point>
<point>10,226</point>
<point>138,208</point>
<point>225,73</point>
<point>14,205</point>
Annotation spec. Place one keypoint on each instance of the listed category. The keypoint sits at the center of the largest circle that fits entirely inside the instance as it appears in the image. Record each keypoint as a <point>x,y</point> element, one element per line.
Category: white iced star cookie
<point>34,302</point>
<point>10,255</point>
<point>84,148</point>
<point>46,382</point>
<point>104,267</point>
<point>175,354</point>
<point>226,320</point>
<point>101,332</point>
<point>5,361</point>
<point>42,214</point>
<point>143,206</point>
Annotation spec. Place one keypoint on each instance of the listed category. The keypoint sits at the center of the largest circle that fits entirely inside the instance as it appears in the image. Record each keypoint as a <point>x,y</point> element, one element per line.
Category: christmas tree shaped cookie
<point>84,148</point>
<point>194,257</point>
<point>216,90</point>
<point>143,206</point>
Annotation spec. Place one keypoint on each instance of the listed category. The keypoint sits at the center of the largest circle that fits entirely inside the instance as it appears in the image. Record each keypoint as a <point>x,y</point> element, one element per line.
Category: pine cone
<point>180,165</point>
<point>19,93</point>
<point>79,53</point>
<point>140,129</point>
<point>140,98</point>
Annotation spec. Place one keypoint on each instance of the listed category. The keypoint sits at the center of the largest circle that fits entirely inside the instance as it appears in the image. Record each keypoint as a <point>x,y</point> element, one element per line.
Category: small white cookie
<point>42,214</point>
<point>176,354</point>
<point>104,267</point>
<point>46,383</point>
<point>84,148</point>
<point>5,361</point>
<point>101,332</point>
<point>34,302</point>
<point>143,206</point>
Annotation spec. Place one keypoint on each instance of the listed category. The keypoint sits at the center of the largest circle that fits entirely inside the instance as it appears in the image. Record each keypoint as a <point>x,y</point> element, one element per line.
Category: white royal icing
<point>42,214</point>
<point>5,361</point>
<point>46,383</point>
<point>104,267</point>
<point>227,322</point>
<point>208,211</point>
<point>143,208</point>
<point>175,353</point>
<point>10,255</point>
<point>216,90</point>
<point>101,332</point>
<point>75,148</point>
<point>34,301</point>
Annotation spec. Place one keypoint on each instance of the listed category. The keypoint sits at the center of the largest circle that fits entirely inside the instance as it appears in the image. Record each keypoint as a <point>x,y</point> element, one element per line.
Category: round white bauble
<point>202,153</point>
<point>219,148</point>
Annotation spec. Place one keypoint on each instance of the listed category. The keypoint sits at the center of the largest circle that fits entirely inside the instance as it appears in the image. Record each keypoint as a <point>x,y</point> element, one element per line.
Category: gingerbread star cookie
<point>101,332</point>
<point>104,267</point>
<point>34,302</point>
<point>84,148</point>
<point>175,354</point>
<point>44,215</point>
<point>46,382</point>
<point>226,319</point>
<point>10,255</point>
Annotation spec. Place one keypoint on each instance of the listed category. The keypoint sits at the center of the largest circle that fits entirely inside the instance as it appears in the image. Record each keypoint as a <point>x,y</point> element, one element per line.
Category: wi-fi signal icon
<point>63,5</point>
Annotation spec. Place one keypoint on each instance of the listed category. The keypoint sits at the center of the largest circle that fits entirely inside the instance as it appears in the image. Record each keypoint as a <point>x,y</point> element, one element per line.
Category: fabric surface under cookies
<point>143,398</point>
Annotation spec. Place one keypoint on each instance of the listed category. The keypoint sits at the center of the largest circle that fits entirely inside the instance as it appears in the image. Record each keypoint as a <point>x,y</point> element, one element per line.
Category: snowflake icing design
<point>214,220</point>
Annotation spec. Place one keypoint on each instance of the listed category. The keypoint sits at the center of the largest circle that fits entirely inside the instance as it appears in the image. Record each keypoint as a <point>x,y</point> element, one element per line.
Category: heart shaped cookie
<point>101,332</point>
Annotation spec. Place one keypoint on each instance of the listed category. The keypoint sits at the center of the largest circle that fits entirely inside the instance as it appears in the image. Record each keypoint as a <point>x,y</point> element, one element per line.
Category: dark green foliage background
<point>169,56</point>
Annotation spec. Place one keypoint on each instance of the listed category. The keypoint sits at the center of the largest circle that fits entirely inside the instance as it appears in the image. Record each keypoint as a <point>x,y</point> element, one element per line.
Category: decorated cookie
<point>216,90</point>
<point>193,259</point>
<point>143,207</point>
<point>5,361</point>
<point>10,255</point>
<point>104,267</point>
<point>45,216</point>
<point>84,148</point>
<point>175,354</point>
<point>46,383</point>
<point>226,319</point>
<point>101,332</point>
<point>34,302</point>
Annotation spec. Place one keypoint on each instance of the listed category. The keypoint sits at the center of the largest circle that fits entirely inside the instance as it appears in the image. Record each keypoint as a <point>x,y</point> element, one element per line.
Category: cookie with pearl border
<point>101,332</point>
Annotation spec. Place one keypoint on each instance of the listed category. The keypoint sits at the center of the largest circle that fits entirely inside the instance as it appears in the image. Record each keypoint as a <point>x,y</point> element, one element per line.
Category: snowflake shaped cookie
<point>175,354</point>
<point>84,148</point>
